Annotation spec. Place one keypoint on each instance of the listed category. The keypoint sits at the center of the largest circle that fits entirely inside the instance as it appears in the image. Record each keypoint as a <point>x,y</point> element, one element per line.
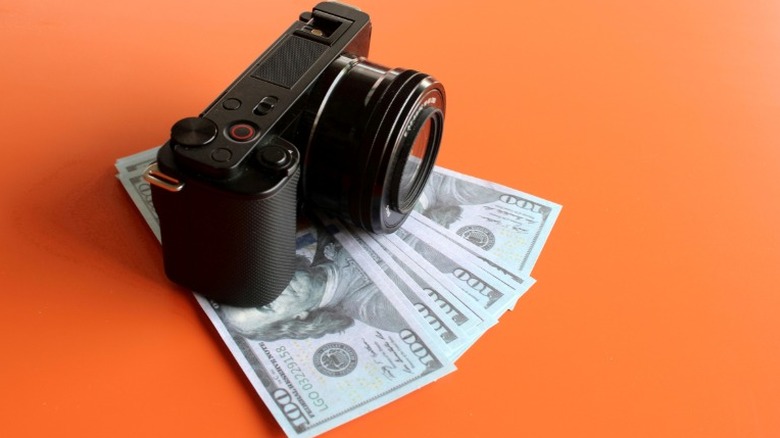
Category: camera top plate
<point>262,103</point>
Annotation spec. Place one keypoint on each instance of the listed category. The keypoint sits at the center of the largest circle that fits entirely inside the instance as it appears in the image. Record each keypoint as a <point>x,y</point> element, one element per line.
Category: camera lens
<point>372,137</point>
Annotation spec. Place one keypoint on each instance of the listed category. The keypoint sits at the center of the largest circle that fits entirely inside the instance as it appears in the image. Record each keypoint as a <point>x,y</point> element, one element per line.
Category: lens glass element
<point>416,158</point>
<point>412,164</point>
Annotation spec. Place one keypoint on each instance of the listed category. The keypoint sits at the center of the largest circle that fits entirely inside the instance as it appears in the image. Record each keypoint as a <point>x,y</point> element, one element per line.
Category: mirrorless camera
<point>310,123</point>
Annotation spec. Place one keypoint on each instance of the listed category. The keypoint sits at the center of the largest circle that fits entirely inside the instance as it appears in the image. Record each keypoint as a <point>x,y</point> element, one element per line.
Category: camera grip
<point>235,249</point>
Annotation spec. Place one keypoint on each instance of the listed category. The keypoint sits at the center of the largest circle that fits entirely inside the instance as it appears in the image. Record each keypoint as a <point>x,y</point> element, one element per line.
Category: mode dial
<point>193,132</point>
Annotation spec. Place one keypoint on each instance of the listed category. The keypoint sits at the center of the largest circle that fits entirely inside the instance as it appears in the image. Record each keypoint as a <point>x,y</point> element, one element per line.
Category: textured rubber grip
<point>234,249</point>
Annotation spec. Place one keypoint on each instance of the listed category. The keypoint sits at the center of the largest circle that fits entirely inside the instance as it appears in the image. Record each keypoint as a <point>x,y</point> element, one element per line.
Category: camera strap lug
<point>154,176</point>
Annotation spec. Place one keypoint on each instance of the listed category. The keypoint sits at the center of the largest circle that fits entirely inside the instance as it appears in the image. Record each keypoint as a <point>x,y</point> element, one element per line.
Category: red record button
<point>242,132</point>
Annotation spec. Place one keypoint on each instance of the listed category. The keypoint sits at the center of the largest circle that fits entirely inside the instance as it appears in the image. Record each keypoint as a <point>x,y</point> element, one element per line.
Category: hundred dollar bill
<point>471,280</point>
<point>414,231</point>
<point>504,225</point>
<point>337,343</point>
<point>474,318</point>
<point>451,336</point>
<point>445,321</point>
<point>131,176</point>
<point>464,314</point>
<point>135,164</point>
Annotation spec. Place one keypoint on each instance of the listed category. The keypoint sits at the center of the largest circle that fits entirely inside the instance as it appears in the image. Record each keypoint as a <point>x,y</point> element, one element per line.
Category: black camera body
<point>310,122</point>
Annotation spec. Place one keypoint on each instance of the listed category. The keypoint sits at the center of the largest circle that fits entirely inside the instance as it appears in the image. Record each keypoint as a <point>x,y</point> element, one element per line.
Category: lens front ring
<point>410,93</point>
<point>416,158</point>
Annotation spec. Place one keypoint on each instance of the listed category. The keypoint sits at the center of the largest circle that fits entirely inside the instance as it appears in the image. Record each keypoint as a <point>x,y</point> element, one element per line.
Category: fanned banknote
<point>130,175</point>
<point>503,225</point>
<point>340,341</point>
<point>464,310</point>
<point>455,268</point>
<point>458,304</point>
<point>414,233</point>
<point>444,320</point>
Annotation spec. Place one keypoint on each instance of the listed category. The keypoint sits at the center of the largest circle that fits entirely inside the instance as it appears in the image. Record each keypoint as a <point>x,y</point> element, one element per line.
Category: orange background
<point>656,311</point>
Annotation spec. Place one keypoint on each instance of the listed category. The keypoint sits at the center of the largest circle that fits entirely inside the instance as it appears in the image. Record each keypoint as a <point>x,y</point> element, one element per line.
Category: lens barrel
<point>375,133</point>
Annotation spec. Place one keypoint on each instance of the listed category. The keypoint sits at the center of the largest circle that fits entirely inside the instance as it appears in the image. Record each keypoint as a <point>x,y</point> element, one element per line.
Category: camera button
<point>221,155</point>
<point>242,132</point>
<point>274,157</point>
<point>193,132</point>
<point>231,104</point>
<point>266,105</point>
